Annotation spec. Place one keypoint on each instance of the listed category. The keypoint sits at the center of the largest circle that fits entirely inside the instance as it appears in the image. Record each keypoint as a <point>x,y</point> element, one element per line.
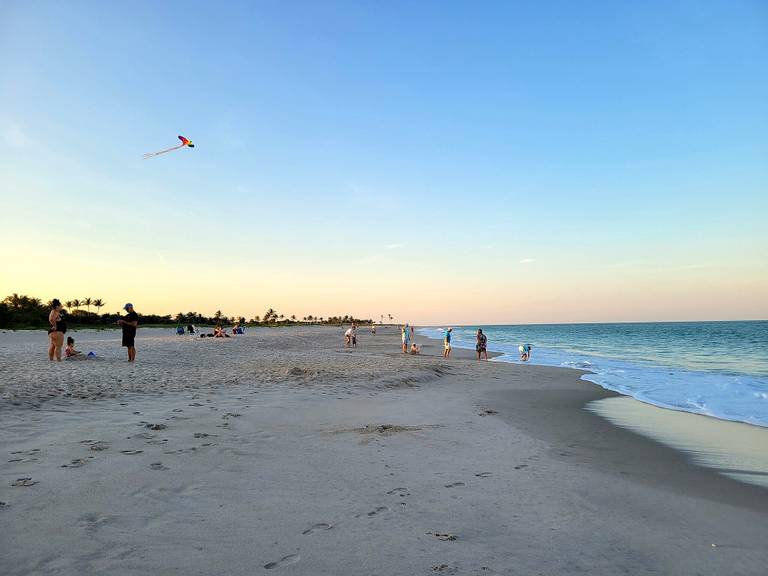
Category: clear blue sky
<point>445,144</point>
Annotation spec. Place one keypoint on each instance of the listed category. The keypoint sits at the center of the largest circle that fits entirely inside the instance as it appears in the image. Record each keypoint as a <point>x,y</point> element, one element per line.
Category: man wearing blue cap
<point>129,322</point>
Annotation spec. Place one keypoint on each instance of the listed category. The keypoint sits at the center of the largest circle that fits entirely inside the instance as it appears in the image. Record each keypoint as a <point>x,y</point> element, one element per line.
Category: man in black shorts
<point>129,322</point>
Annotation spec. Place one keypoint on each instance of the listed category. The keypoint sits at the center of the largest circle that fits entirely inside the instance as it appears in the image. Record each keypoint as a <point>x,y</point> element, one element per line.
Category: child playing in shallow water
<point>415,349</point>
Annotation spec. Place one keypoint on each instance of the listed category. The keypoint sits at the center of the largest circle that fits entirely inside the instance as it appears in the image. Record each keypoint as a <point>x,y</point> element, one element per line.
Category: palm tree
<point>293,317</point>
<point>98,303</point>
<point>76,303</point>
<point>281,317</point>
<point>217,315</point>
<point>87,302</point>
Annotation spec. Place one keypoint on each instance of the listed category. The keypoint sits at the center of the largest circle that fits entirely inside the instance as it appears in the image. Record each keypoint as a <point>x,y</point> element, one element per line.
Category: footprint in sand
<point>98,446</point>
<point>284,561</point>
<point>402,492</point>
<point>443,536</point>
<point>521,466</point>
<point>317,527</point>
<point>156,426</point>
<point>454,484</point>
<point>24,482</point>
<point>92,520</point>
<point>76,463</point>
<point>487,412</point>
<point>131,452</point>
<point>378,510</point>
<point>158,466</point>
<point>483,474</point>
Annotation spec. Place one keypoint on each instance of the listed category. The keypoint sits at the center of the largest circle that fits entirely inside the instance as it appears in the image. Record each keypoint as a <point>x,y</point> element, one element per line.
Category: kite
<point>184,142</point>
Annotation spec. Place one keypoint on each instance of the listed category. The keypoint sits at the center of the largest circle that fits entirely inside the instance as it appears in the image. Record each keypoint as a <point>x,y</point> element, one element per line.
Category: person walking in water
<point>482,344</point>
<point>56,331</point>
<point>129,323</point>
<point>525,352</point>
<point>447,343</point>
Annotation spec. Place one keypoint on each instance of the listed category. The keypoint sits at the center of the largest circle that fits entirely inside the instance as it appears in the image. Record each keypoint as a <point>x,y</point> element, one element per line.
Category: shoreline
<point>282,449</point>
<point>703,441</point>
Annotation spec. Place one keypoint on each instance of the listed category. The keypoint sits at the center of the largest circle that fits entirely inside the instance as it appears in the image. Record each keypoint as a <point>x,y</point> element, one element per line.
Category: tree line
<point>22,311</point>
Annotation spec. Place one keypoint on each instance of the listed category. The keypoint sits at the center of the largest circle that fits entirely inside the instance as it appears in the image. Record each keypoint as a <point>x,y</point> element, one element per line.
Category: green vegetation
<point>21,311</point>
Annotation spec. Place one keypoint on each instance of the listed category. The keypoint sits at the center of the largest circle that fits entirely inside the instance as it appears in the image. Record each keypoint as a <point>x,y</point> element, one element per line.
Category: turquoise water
<point>718,369</point>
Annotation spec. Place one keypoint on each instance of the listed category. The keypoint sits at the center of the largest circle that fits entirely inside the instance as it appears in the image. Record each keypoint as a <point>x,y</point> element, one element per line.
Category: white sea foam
<point>717,393</point>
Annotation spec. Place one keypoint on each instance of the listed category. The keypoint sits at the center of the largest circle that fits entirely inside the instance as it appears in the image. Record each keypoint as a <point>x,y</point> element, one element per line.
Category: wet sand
<point>282,451</point>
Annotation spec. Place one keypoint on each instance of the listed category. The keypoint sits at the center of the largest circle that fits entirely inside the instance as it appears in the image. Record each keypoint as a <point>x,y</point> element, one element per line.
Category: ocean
<point>718,369</point>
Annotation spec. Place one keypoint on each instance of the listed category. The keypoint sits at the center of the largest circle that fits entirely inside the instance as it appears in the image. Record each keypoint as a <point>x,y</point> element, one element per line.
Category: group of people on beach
<point>58,327</point>
<point>481,344</point>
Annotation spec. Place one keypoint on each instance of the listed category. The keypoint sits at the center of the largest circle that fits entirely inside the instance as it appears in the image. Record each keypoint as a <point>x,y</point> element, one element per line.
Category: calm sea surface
<point>715,368</point>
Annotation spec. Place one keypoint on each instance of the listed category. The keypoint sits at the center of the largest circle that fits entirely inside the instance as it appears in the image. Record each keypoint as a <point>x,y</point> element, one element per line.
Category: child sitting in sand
<point>70,352</point>
<point>73,354</point>
<point>415,349</point>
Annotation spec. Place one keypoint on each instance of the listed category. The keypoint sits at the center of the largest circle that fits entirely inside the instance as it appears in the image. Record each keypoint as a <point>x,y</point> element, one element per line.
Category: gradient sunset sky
<point>445,162</point>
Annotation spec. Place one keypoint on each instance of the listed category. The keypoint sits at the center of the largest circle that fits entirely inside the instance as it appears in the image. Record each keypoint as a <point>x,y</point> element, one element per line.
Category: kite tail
<point>153,154</point>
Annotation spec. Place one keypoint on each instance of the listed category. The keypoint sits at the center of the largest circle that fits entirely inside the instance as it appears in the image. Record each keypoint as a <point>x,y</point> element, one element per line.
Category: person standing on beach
<point>129,323</point>
<point>447,343</point>
<point>56,331</point>
<point>482,344</point>
<point>406,338</point>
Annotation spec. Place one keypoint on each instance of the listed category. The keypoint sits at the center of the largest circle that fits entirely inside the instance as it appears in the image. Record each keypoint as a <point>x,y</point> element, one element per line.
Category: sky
<point>443,162</point>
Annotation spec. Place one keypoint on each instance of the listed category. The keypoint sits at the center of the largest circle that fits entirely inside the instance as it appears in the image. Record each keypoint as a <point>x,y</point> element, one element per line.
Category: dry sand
<point>281,451</point>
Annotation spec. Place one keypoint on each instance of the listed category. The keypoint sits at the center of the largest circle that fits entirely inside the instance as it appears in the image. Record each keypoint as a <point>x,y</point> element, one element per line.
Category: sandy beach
<point>281,451</point>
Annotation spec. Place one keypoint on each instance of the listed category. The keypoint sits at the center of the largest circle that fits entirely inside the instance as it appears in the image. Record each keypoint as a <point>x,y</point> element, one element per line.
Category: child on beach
<point>447,343</point>
<point>70,352</point>
<point>73,354</point>
<point>415,349</point>
<point>525,352</point>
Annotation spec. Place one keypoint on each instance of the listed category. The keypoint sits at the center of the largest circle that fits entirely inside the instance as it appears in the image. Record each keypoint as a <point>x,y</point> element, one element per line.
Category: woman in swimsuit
<point>56,331</point>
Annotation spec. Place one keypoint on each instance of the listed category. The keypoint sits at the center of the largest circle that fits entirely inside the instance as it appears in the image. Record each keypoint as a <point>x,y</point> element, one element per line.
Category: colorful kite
<point>184,142</point>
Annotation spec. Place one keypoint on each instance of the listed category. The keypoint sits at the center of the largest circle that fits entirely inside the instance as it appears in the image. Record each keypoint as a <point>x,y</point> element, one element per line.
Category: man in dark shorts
<point>482,344</point>
<point>129,322</point>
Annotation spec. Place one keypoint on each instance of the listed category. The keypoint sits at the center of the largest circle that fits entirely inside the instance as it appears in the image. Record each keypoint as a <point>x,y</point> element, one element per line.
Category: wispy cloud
<point>527,260</point>
<point>394,246</point>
